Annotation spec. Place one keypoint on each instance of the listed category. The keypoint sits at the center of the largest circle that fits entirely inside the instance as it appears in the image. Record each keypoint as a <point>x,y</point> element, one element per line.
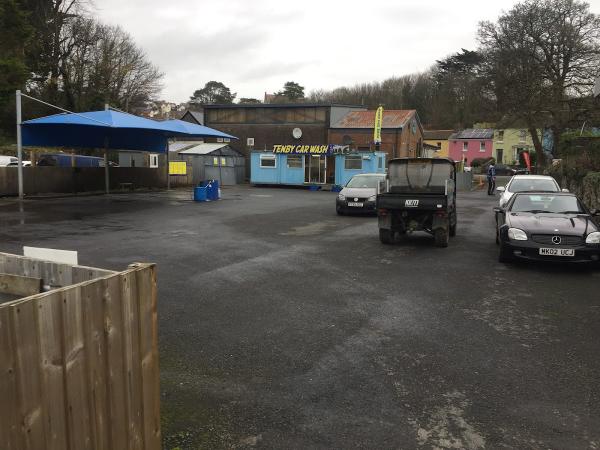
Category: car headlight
<point>593,238</point>
<point>341,197</point>
<point>372,198</point>
<point>516,234</point>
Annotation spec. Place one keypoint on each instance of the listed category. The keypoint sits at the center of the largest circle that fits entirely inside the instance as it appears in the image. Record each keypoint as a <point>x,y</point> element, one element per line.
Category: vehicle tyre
<point>386,236</point>
<point>441,236</point>
<point>504,256</point>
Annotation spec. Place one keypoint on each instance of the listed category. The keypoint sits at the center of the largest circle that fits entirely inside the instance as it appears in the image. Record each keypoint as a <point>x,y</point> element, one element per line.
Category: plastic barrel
<point>200,194</point>
<point>213,192</point>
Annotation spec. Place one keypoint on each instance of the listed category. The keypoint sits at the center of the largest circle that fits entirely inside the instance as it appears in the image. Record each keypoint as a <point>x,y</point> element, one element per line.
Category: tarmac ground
<point>283,325</point>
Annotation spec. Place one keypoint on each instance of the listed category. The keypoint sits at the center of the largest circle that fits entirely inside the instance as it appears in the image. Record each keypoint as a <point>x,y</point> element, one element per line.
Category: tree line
<point>57,51</point>
<point>534,67</point>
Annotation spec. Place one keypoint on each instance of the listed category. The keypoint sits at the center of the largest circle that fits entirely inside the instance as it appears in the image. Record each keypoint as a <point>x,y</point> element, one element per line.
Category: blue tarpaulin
<point>109,129</point>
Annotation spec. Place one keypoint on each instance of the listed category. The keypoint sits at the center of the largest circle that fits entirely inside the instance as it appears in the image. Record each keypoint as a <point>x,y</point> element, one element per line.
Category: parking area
<point>283,325</point>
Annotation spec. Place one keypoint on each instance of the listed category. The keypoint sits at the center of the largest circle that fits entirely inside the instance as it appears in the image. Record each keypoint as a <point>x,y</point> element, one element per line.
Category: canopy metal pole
<point>19,146</point>
<point>168,174</point>
<point>106,175</point>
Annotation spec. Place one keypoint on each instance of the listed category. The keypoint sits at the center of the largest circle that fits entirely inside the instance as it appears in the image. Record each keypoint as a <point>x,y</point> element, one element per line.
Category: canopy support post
<point>168,169</point>
<point>106,174</point>
<point>19,146</point>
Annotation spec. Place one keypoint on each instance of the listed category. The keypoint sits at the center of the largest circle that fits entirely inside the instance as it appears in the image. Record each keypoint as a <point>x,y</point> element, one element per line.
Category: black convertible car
<point>547,226</point>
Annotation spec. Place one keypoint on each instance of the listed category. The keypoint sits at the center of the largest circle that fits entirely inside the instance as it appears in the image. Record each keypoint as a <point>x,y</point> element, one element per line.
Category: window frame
<point>295,158</point>
<point>482,146</point>
<point>268,158</point>
<point>353,158</point>
<point>465,146</point>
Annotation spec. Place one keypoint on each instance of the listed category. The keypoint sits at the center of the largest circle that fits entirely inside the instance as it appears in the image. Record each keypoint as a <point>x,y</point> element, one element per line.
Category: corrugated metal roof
<point>474,133</point>
<point>393,118</point>
<point>202,149</point>
<point>437,134</point>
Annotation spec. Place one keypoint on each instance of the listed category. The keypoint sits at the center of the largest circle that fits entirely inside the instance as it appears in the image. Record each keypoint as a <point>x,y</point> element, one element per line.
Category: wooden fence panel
<point>80,363</point>
<point>50,330</point>
<point>9,419</point>
<point>29,385</point>
<point>146,282</point>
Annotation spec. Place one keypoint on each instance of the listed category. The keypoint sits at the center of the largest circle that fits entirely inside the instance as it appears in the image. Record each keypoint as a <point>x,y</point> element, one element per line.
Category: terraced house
<point>510,142</point>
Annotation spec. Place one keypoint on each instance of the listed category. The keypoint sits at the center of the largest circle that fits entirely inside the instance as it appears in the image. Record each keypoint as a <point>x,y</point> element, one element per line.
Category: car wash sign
<point>304,149</point>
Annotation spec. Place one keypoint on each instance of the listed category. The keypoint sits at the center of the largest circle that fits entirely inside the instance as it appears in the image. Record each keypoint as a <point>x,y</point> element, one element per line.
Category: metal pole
<point>19,146</point>
<point>168,175</point>
<point>106,175</point>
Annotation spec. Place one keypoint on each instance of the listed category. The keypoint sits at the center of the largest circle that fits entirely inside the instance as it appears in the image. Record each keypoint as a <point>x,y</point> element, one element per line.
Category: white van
<point>6,160</point>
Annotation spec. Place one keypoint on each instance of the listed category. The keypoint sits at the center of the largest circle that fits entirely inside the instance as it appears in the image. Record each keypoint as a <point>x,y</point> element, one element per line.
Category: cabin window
<point>294,161</point>
<point>268,161</point>
<point>353,162</point>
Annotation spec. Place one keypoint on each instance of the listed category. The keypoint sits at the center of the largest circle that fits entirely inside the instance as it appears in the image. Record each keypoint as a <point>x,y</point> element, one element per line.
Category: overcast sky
<point>255,46</point>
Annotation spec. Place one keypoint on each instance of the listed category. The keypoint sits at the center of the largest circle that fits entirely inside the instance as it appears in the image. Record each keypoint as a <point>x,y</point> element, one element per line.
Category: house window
<point>294,161</point>
<point>219,139</point>
<point>250,142</point>
<point>226,140</point>
<point>500,135</point>
<point>353,162</point>
<point>482,146</point>
<point>522,135</point>
<point>465,146</point>
<point>267,161</point>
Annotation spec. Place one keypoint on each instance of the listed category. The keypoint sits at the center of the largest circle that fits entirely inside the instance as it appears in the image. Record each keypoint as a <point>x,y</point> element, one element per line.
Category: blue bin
<point>213,190</point>
<point>200,194</point>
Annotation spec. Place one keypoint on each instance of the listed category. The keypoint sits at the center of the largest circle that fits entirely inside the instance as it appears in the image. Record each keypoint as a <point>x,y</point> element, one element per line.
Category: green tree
<point>292,91</point>
<point>246,100</point>
<point>15,33</point>
<point>213,92</point>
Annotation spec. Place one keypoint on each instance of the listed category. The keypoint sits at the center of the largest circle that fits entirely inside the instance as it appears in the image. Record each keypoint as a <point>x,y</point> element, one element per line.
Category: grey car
<point>359,194</point>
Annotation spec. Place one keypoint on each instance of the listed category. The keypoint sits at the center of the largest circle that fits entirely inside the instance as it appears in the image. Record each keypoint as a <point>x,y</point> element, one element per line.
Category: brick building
<point>262,126</point>
<point>401,132</point>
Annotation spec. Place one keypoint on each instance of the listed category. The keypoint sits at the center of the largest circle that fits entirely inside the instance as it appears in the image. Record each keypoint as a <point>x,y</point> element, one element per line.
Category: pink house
<point>471,143</point>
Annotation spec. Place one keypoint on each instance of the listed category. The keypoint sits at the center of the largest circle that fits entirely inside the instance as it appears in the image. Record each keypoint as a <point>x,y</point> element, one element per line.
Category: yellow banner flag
<point>377,127</point>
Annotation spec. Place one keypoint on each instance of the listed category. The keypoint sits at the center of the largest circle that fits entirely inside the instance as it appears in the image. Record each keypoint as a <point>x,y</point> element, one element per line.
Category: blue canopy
<point>109,129</point>
<point>192,129</point>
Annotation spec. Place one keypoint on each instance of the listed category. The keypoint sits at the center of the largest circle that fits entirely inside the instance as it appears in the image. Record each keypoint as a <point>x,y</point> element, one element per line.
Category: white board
<point>51,254</point>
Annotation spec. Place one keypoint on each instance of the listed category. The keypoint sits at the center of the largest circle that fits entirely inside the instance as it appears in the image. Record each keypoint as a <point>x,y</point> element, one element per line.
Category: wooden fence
<point>79,363</point>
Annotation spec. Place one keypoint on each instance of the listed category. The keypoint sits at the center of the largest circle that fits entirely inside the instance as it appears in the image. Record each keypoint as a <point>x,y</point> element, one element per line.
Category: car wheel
<point>441,235</point>
<point>504,256</point>
<point>386,236</point>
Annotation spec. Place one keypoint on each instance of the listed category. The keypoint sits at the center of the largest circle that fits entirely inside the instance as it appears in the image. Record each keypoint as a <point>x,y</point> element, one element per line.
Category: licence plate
<point>411,203</point>
<point>359,205</point>
<point>557,252</point>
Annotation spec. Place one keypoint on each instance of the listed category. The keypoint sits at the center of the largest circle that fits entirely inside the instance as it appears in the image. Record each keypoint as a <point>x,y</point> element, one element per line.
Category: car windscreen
<point>362,181</point>
<point>533,184</point>
<point>422,176</point>
<point>541,203</point>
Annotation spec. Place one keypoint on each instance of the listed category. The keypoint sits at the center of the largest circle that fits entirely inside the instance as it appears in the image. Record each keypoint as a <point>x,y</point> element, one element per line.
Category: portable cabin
<point>298,169</point>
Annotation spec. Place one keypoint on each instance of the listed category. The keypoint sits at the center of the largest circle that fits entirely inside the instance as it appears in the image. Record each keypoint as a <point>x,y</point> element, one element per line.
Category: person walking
<point>491,177</point>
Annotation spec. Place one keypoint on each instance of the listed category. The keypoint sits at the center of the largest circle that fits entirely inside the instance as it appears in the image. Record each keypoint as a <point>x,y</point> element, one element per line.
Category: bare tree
<point>541,58</point>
